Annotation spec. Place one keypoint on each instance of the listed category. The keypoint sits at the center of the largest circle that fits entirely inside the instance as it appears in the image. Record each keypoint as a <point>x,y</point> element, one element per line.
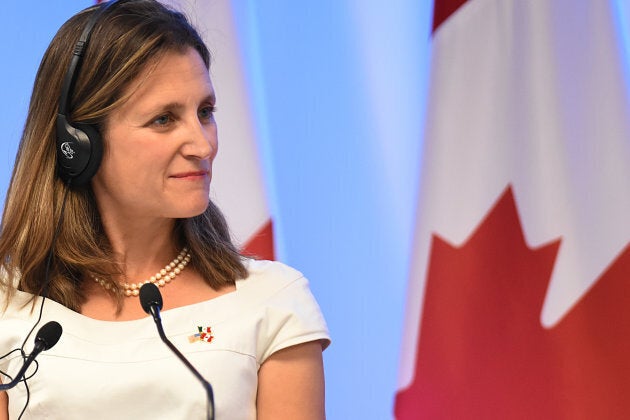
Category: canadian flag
<point>519,296</point>
<point>237,182</point>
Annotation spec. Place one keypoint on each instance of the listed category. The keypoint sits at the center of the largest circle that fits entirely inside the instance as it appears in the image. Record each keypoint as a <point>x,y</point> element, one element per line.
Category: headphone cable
<point>44,296</point>
<point>46,284</point>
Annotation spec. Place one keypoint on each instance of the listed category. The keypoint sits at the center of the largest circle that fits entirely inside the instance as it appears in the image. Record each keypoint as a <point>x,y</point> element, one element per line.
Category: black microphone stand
<point>151,301</point>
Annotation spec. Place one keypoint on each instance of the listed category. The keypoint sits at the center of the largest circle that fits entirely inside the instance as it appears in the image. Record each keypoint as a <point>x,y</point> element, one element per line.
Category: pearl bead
<point>161,278</point>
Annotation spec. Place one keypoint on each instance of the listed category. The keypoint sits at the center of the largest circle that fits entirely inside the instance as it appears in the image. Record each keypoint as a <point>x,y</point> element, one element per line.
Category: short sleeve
<point>292,317</point>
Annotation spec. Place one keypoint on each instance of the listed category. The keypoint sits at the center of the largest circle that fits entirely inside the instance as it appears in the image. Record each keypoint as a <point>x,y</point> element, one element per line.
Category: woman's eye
<point>207,112</point>
<point>162,120</point>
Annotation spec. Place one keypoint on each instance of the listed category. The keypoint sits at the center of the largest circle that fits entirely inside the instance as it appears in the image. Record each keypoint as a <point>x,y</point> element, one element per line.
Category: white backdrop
<point>337,88</point>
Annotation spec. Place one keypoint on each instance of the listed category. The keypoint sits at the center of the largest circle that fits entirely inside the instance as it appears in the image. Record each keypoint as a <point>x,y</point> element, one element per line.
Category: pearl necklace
<point>161,278</point>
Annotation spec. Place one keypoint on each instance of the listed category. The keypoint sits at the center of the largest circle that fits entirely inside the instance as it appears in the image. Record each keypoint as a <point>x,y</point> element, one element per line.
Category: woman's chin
<point>191,209</point>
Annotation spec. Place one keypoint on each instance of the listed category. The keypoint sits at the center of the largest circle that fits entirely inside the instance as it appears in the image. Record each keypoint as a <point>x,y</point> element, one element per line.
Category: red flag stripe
<point>443,9</point>
<point>260,245</point>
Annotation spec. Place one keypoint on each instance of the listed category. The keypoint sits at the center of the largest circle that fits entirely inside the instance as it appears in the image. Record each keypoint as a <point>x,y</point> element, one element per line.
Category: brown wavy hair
<point>127,37</point>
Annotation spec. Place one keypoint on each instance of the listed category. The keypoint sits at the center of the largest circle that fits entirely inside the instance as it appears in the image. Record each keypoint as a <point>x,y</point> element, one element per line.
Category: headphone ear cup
<point>79,151</point>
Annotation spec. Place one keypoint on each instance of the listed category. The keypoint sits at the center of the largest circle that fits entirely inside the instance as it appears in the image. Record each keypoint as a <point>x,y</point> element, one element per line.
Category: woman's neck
<point>142,247</point>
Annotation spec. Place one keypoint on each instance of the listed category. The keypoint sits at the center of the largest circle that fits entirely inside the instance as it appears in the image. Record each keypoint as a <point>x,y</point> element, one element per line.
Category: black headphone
<point>79,145</point>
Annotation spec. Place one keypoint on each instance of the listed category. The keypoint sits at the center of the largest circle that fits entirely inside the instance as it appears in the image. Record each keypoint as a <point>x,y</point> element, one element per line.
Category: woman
<point>251,328</point>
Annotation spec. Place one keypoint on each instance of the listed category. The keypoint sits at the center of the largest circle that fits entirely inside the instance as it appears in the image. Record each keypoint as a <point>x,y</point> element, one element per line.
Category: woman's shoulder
<point>266,278</point>
<point>273,284</point>
<point>271,269</point>
<point>15,303</point>
<point>291,313</point>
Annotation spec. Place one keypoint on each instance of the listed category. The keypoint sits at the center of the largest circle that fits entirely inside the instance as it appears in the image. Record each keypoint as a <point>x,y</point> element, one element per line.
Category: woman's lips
<point>190,175</point>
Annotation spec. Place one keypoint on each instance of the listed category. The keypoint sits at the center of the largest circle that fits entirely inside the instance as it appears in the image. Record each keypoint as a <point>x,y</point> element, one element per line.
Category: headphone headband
<point>77,56</point>
<point>79,146</point>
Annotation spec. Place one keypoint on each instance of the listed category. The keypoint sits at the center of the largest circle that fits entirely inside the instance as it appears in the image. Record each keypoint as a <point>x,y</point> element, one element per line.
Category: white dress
<point>122,370</point>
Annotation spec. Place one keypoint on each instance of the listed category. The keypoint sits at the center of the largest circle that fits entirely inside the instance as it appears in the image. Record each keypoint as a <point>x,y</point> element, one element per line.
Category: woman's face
<point>160,144</point>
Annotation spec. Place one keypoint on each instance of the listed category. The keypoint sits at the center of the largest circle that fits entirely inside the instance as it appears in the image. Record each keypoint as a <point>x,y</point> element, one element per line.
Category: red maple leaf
<point>482,351</point>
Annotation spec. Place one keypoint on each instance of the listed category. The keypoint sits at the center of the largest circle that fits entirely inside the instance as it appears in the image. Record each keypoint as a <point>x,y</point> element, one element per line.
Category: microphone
<point>151,301</point>
<point>46,338</point>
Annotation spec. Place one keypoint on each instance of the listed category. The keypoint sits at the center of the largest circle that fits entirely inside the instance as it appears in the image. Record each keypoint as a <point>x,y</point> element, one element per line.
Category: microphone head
<point>149,296</point>
<point>49,334</point>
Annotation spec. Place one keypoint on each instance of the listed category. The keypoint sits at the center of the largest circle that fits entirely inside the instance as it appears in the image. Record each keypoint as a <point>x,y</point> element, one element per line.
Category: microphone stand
<point>155,312</point>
